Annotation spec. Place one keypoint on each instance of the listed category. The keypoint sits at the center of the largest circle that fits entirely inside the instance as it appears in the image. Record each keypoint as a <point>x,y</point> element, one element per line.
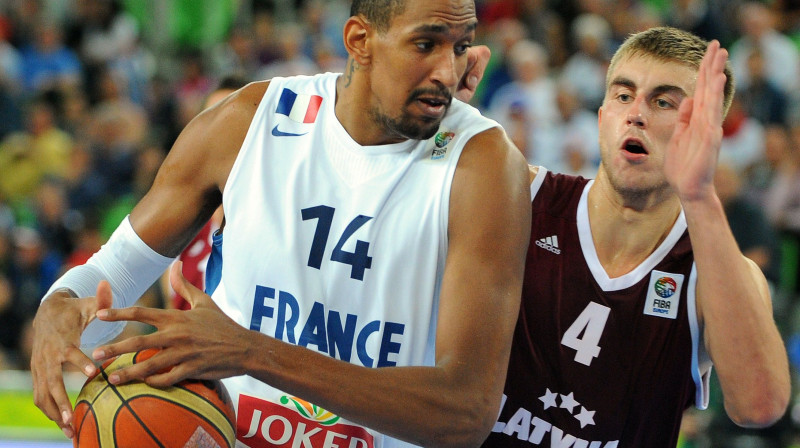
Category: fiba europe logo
<point>443,138</point>
<point>440,143</point>
<point>665,287</point>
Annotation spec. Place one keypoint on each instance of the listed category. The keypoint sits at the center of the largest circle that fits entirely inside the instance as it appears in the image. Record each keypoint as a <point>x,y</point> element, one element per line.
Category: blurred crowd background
<point>94,92</point>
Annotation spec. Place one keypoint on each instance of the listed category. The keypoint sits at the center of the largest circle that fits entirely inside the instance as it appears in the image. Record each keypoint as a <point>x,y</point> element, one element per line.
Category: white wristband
<point>128,264</point>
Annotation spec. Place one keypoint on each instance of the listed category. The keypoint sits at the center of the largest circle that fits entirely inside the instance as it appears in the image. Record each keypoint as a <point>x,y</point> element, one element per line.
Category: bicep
<point>488,237</point>
<point>188,187</point>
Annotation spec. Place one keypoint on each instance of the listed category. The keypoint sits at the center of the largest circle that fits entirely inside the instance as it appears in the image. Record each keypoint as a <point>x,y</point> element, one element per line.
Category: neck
<point>625,235</point>
<point>354,108</point>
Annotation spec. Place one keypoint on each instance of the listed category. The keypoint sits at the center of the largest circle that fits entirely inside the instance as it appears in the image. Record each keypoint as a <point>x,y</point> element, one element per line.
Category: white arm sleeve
<point>128,264</point>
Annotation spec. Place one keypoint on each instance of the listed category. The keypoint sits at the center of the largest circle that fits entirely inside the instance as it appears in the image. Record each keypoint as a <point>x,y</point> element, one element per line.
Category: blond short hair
<point>670,45</point>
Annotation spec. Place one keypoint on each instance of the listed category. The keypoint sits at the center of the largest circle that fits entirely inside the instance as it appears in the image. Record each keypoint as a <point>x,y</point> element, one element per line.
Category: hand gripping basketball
<point>201,343</point>
<point>196,413</point>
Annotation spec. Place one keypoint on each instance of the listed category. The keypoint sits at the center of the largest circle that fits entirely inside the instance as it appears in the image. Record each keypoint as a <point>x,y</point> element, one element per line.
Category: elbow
<point>473,425</point>
<point>760,413</point>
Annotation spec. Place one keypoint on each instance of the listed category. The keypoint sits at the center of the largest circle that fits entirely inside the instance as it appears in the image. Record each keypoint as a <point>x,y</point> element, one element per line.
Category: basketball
<point>192,413</point>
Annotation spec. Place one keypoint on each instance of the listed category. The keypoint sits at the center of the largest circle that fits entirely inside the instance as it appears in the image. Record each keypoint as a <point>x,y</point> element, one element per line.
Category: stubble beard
<point>638,196</point>
<point>407,126</point>
<point>404,126</point>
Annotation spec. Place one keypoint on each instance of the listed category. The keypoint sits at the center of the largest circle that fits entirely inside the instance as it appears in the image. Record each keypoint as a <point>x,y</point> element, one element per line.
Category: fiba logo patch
<point>441,141</point>
<point>663,295</point>
<point>665,287</point>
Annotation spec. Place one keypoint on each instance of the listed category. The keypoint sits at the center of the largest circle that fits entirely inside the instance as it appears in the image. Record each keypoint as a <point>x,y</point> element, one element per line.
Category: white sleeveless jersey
<point>333,246</point>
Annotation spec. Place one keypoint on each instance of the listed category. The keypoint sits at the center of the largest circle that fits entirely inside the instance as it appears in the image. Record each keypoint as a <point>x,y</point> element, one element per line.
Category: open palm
<point>693,150</point>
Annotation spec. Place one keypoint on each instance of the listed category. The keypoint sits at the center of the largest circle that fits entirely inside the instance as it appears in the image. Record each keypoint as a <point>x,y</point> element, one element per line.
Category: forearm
<point>428,406</point>
<point>735,308</point>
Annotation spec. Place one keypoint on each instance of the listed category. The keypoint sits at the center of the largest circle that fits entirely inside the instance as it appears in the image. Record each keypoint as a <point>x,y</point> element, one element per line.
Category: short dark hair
<point>378,12</point>
<point>674,45</point>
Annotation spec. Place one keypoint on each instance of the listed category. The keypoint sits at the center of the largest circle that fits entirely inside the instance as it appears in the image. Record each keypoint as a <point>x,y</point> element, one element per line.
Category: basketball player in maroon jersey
<point>634,283</point>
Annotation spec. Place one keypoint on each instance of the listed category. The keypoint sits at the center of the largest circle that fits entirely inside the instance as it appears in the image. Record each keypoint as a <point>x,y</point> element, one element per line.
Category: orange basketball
<point>192,413</point>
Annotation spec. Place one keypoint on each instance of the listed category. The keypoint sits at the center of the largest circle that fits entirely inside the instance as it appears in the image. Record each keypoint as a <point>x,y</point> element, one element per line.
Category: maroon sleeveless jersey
<point>598,362</point>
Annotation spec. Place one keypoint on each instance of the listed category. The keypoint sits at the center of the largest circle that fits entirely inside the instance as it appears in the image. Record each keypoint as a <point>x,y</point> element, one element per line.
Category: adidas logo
<point>550,243</point>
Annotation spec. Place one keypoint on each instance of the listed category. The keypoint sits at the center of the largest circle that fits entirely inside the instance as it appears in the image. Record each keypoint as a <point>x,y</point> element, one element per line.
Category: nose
<point>637,111</point>
<point>446,71</point>
<point>635,119</point>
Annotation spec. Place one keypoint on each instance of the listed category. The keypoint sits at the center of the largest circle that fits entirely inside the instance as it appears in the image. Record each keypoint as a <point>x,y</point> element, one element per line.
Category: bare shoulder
<point>211,141</point>
<point>491,153</point>
<point>189,184</point>
<point>491,183</point>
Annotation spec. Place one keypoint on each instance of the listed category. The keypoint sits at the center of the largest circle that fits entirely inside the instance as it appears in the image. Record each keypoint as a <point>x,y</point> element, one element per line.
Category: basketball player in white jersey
<point>634,283</point>
<point>371,260</point>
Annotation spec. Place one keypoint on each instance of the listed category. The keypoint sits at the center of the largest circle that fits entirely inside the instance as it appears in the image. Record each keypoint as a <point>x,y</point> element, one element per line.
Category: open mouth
<point>634,147</point>
<point>434,102</point>
<point>432,107</point>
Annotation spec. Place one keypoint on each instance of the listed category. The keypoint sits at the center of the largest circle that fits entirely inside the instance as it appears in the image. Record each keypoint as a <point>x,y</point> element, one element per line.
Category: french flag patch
<point>299,107</point>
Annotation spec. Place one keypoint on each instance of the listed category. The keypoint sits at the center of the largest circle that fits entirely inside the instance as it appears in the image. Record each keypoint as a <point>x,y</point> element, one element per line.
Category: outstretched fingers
<point>711,83</point>
<point>50,396</point>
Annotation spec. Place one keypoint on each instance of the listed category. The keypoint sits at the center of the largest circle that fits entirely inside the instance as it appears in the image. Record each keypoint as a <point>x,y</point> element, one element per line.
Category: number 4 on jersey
<point>591,323</point>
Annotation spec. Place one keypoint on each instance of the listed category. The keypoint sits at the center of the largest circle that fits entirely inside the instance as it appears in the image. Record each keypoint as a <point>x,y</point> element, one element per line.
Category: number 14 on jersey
<point>357,259</point>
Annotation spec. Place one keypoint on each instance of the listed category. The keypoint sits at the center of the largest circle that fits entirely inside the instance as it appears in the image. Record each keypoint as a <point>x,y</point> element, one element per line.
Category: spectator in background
<point>9,328</point>
<point>586,69</point>
<point>760,175</point>
<point>504,34</point>
<point>322,21</point>
<point>34,266</point>
<point>697,16</point>
<point>750,226</point>
<point>545,26</point>
<point>783,197</point>
<point>56,222</point>
<point>192,87</point>
<point>52,144</point>
<point>163,111</point>
<point>102,33</point>
<point>236,54</point>
<point>75,113</point>
<point>47,63</point>
<point>10,66</point>
<point>780,54</point>
<point>26,157</point>
<point>291,60</point>
<point>146,161</point>
<point>782,203</point>
<point>762,98</point>
<point>533,90</point>
<point>10,86</point>
<point>742,138</point>
<point>575,136</point>
<point>266,45</point>
<point>113,104</point>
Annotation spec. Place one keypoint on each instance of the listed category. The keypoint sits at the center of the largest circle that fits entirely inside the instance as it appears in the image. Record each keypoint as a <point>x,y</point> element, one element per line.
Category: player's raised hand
<point>201,343</point>
<point>477,60</point>
<point>692,153</point>
<point>57,328</point>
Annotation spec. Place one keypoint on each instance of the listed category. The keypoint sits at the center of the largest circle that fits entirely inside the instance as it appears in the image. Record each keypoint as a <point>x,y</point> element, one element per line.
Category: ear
<point>356,36</point>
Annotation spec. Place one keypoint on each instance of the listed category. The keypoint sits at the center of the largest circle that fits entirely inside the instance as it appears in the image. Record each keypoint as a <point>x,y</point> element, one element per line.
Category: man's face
<point>417,65</point>
<point>637,119</point>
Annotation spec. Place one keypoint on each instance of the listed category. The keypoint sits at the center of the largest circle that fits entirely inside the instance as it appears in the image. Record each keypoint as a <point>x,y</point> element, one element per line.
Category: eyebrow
<point>658,90</point>
<point>441,28</point>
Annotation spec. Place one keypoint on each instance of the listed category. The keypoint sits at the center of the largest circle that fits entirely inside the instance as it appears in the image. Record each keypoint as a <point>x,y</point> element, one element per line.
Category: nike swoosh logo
<point>278,133</point>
